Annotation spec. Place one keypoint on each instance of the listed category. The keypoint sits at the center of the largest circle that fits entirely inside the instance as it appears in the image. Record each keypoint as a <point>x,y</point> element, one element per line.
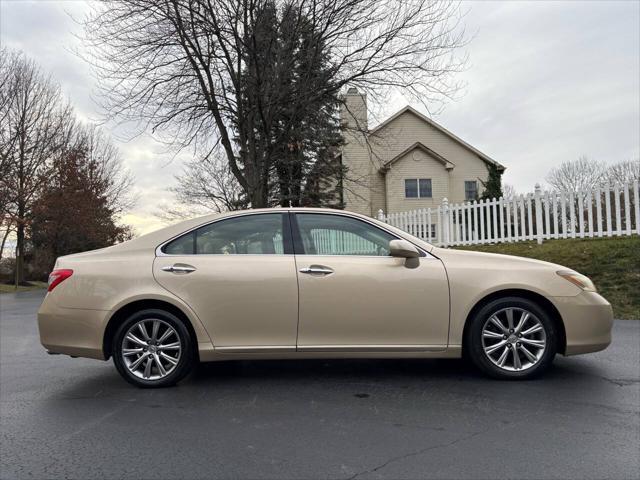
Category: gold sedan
<point>312,283</point>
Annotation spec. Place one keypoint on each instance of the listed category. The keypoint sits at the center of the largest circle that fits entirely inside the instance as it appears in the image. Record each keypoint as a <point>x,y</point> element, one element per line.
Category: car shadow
<point>335,370</point>
<point>565,375</point>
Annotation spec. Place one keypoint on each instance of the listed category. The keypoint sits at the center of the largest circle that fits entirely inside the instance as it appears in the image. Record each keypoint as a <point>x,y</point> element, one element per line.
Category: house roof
<point>424,148</point>
<point>440,128</point>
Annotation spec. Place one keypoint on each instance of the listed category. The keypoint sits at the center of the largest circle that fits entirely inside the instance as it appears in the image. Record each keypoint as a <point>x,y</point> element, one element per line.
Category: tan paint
<point>373,300</point>
<point>247,305</point>
<point>249,300</point>
<point>587,317</point>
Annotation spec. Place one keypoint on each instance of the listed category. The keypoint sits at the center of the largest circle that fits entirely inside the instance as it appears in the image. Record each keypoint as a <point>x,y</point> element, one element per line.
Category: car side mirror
<point>402,248</point>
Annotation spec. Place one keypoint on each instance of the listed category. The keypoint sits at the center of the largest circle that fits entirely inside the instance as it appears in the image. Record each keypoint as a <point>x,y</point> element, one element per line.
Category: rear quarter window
<point>184,245</point>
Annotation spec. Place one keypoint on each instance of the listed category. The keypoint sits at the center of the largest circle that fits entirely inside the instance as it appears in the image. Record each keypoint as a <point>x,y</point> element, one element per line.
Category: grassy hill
<point>612,263</point>
<point>9,288</point>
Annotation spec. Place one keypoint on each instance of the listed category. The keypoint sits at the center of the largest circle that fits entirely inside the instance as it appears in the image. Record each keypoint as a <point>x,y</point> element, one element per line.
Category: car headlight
<point>578,279</point>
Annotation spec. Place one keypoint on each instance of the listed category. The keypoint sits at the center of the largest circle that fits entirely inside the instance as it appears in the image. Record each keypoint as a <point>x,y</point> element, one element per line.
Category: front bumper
<point>587,319</point>
<point>71,331</point>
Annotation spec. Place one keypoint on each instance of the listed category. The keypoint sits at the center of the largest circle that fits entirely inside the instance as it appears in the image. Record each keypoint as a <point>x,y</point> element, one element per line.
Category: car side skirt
<point>323,351</point>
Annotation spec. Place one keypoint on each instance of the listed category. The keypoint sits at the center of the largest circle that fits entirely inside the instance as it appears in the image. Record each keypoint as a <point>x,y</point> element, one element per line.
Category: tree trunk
<point>19,254</point>
<point>20,244</point>
<point>258,198</point>
<point>4,240</point>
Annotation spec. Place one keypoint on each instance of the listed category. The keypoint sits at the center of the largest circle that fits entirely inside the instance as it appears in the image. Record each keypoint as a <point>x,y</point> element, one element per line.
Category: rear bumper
<point>588,319</point>
<point>71,331</point>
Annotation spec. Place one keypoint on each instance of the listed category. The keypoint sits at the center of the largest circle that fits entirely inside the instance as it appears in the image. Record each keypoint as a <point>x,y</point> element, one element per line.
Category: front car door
<point>355,297</point>
<point>238,274</point>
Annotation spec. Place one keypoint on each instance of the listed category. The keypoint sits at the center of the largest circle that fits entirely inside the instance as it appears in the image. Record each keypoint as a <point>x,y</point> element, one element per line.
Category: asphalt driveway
<point>75,418</point>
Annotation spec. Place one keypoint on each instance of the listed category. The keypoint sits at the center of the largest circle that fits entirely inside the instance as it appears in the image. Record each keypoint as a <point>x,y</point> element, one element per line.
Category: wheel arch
<point>125,311</point>
<point>542,301</point>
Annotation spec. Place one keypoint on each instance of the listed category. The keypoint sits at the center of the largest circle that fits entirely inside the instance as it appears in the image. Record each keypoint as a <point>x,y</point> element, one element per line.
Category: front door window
<point>323,234</point>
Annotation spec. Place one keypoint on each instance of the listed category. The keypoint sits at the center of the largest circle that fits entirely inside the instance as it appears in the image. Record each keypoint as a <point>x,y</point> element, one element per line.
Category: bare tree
<point>577,175</point>
<point>205,73</point>
<point>508,190</point>
<point>7,87</point>
<point>6,229</point>
<point>105,169</point>
<point>624,172</point>
<point>208,184</point>
<point>37,131</point>
<point>585,174</point>
<point>34,119</point>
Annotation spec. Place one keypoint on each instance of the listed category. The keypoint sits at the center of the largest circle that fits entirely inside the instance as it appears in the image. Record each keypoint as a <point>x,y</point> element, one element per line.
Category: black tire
<point>185,360</point>
<point>475,350</point>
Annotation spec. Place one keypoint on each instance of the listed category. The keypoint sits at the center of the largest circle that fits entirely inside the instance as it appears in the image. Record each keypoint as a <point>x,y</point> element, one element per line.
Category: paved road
<point>75,418</point>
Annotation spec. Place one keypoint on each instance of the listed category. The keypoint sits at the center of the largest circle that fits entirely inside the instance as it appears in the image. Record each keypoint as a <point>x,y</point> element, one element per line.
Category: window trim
<point>419,196</point>
<point>287,241</point>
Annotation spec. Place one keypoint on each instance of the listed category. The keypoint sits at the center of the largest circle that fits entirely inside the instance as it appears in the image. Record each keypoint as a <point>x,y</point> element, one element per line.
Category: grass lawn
<point>5,288</point>
<point>612,263</point>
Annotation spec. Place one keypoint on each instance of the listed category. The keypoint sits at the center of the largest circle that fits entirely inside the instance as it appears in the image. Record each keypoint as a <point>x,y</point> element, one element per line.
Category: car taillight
<point>57,277</point>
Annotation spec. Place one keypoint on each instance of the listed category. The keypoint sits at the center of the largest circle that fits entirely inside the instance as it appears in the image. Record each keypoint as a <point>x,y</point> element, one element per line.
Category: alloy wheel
<point>514,339</point>
<point>151,349</point>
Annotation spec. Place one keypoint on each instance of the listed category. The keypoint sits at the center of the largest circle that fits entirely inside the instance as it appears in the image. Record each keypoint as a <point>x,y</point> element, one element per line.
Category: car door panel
<point>244,300</point>
<point>373,301</point>
<point>369,302</point>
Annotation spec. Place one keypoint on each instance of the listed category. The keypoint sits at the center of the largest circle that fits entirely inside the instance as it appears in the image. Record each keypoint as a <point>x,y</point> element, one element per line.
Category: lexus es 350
<point>312,283</point>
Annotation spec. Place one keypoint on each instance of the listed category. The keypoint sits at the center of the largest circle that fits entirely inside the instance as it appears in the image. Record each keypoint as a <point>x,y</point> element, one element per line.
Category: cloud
<point>47,32</point>
<point>549,81</point>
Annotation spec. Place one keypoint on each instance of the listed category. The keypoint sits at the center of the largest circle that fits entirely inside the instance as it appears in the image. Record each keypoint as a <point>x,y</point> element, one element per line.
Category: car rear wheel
<point>153,348</point>
<point>512,338</point>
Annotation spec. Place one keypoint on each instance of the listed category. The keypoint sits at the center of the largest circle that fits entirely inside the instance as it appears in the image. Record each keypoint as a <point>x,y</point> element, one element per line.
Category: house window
<point>470,190</point>
<point>417,188</point>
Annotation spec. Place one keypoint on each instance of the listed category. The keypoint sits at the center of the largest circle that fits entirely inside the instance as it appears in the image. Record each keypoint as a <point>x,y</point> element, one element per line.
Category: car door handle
<point>179,268</point>
<point>317,270</point>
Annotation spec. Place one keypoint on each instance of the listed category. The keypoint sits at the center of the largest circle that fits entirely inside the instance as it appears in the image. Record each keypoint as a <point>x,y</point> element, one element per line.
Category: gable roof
<point>441,129</point>
<point>424,148</point>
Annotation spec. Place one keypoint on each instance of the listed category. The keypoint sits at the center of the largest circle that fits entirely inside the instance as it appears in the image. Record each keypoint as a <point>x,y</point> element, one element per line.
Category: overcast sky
<point>546,82</point>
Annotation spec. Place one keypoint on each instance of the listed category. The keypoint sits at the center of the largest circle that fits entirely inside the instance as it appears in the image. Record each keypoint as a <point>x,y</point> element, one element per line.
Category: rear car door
<point>355,297</point>
<point>238,274</point>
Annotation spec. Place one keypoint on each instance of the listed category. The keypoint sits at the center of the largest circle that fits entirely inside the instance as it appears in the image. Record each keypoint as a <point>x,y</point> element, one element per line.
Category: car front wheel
<point>512,338</point>
<point>153,348</point>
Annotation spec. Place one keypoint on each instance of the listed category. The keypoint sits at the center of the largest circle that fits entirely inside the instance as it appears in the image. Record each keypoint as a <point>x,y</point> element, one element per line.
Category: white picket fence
<point>601,212</point>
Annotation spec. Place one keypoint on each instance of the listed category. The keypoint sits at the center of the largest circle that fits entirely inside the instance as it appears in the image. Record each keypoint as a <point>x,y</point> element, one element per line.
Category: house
<point>406,162</point>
